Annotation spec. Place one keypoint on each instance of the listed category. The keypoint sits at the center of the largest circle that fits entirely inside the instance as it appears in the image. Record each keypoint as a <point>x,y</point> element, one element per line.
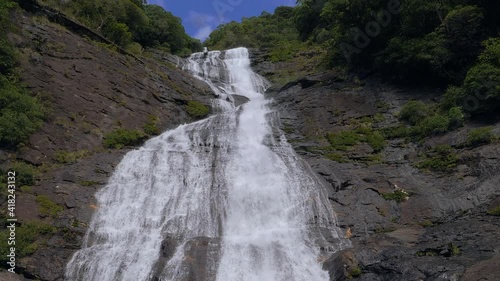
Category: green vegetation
<point>441,158</point>
<point>426,223</point>
<point>47,207</point>
<point>413,40</point>
<point>398,196</point>
<point>25,173</point>
<point>343,140</point>
<point>69,157</point>
<point>453,44</point>
<point>29,237</point>
<point>354,272</point>
<point>20,113</point>
<point>453,250</point>
<point>338,157</point>
<point>89,183</point>
<point>130,24</point>
<point>494,211</point>
<point>426,120</point>
<point>414,111</point>
<point>480,136</point>
<point>346,139</point>
<point>196,109</point>
<point>275,31</point>
<point>120,138</point>
<point>151,126</point>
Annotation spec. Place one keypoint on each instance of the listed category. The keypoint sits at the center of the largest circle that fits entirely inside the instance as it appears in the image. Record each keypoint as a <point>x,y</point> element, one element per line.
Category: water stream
<point>222,199</point>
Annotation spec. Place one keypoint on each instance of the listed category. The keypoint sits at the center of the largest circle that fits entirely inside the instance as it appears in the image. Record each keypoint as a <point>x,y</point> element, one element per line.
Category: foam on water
<point>232,175</point>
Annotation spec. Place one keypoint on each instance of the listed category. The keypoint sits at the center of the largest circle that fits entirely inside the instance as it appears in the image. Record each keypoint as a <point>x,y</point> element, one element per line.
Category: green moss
<point>354,272</point>
<point>47,207</point>
<point>426,223</point>
<point>382,106</point>
<point>26,189</point>
<point>69,157</point>
<point>398,196</point>
<point>480,136</point>
<point>120,138</point>
<point>494,211</point>
<point>342,140</point>
<point>89,183</point>
<point>151,126</point>
<point>25,174</point>
<point>29,237</point>
<point>196,109</point>
<point>441,158</point>
<point>431,125</point>
<point>453,249</point>
<point>338,157</point>
<point>287,128</point>
<point>376,140</point>
<point>414,111</point>
<point>395,132</point>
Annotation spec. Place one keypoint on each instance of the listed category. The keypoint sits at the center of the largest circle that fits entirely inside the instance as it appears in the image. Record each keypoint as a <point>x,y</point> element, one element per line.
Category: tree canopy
<point>127,21</point>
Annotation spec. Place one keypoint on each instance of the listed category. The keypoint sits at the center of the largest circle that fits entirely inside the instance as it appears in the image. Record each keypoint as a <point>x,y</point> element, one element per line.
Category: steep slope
<point>90,90</point>
<point>443,231</point>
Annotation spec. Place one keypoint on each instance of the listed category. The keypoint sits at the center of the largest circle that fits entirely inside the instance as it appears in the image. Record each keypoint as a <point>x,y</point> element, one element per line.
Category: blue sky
<point>200,17</point>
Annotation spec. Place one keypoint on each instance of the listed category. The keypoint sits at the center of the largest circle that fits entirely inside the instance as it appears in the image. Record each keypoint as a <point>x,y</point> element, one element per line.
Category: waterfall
<point>225,198</point>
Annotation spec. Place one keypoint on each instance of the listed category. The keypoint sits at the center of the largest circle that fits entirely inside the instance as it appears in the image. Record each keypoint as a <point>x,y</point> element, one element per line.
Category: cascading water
<point>230,183</point>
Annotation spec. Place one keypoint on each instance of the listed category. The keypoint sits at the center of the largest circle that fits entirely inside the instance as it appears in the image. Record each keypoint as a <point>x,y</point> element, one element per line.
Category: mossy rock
<point>196,109</point>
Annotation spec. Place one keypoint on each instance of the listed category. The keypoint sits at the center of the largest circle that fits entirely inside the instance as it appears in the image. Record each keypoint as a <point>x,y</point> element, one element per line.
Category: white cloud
<point>204,23</point>
<point>203,32</point>
<point>200,20</point>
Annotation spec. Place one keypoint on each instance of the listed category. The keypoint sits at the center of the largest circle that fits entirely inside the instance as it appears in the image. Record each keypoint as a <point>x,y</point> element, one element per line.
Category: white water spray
<point>231,180</point>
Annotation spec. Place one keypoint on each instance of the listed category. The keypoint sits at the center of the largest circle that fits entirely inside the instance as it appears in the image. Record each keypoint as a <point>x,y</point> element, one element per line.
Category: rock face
<point>89,90</point>
<point>442,232</point>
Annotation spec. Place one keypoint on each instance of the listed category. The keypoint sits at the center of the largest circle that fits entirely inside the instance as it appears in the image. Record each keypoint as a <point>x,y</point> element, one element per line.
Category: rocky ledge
<point>440,229</point>
<point>89,89</point>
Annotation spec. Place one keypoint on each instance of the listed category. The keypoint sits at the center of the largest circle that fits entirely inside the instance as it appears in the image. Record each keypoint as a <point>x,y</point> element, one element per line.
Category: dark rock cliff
<point>89,89</point>
<point>442,232</point>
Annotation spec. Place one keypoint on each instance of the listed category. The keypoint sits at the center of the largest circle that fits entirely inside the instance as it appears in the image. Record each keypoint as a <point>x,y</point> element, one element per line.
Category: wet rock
<point>441,232</point>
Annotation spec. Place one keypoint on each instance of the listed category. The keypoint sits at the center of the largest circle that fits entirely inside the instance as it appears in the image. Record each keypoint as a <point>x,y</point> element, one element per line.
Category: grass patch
<point>69,157</point>
<point>494,212</point>
<point>354,272</point>
<point>29,237</point>
<point>89,183</point>
<point>427,119</point>
<point>151,127</point>
<point>395,132</point>
<point>343,140</point>
<point>47,207</point>
<point>426,223</point>
<point>120,138</point>
<point>480,136</point>
<point>25,173</point>
<point>338,157</point>
<point>453,249</point>
<point>196,109</point>
<point>441,158</point>
<point>376,140</point>
<point>398,196</point>
<point>414,111</point>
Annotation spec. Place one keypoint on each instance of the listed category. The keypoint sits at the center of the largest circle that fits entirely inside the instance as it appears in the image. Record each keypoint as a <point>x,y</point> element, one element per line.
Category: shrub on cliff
<point>196,109</point>
<point>120,138</point>
<point>20,113</point>
<point>480,136</point>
